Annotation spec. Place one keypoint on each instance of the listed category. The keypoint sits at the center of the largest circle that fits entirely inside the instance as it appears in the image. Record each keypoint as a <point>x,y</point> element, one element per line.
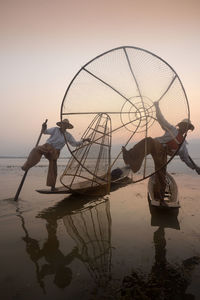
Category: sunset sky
<point>44,43</point>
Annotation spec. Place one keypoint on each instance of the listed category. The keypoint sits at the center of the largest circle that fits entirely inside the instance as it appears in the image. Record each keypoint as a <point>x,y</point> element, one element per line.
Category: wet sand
<point>57,247</point>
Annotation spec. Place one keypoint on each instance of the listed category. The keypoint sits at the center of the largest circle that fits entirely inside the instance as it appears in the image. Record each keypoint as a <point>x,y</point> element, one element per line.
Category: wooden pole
<point>24,176</point>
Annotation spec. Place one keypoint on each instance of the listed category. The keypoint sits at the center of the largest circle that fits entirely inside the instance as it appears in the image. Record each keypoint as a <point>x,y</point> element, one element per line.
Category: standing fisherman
<point>159,148</point>
<point>51,149</point>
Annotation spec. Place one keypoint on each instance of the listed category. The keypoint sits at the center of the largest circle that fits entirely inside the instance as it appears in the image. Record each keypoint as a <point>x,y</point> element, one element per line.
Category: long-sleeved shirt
<point>170,133</point>
<point>57,139</point>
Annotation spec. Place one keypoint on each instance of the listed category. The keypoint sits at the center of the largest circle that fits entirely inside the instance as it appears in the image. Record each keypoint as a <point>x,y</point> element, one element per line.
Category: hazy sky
<point>44,44</point>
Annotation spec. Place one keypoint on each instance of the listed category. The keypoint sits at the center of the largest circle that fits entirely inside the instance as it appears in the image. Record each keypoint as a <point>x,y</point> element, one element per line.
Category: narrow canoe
<point>171,193</point>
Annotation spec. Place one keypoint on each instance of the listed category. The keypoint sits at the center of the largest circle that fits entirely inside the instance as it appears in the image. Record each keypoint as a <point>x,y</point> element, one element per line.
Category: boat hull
<point>171,201</point>
<point>85,187</point>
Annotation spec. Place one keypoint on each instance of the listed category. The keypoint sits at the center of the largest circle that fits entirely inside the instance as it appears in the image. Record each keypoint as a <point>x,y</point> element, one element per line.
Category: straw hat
<point>65,122</point>
<point>187,121</point>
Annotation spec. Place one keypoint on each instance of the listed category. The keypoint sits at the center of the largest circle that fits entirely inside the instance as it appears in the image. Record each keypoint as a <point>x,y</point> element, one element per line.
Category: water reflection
<point>31,248</point>
<point>88,223</point>
<point>165,280</point>
<point>90,228</point>
<point>55,262</point>
<point>164,218</point>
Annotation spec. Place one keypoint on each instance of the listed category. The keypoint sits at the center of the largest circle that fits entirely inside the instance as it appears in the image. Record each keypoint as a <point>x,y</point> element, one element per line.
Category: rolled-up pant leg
<point>52,156</point>
<point>33,158</point>
<point>52,173</point>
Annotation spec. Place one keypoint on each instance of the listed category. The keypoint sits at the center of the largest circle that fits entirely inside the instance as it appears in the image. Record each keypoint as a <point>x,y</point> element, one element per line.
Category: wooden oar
<point>24,176</point>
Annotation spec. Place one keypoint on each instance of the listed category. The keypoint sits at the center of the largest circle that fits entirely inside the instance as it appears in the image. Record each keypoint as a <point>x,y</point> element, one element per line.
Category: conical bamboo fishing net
<point>89,165</point>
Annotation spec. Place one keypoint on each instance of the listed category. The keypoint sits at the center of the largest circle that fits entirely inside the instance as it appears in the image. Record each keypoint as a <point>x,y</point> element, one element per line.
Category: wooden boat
<point>171,200</point>
<point>82,187</point>
<point>85,187</point>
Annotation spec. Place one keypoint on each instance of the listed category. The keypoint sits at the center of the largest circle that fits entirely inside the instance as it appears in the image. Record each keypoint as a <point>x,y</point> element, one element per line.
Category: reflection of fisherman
<point>160,250</point>
<point>171,281</point>
<point>165,280</point>
<point>51,149</point>
<point>159,148</point>
<point>56,261</point>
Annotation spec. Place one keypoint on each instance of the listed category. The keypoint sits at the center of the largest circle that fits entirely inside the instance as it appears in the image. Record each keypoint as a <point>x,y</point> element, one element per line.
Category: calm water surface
<point>57,247</point>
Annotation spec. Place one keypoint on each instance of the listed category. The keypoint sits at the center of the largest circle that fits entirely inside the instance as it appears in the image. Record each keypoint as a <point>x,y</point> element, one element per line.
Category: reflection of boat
<point>83,186</point>
<point>171,194</point>
<point>164,218</point>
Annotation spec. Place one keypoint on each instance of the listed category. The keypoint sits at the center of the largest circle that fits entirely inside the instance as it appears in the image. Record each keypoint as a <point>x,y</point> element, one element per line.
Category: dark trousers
<point>135,156</point>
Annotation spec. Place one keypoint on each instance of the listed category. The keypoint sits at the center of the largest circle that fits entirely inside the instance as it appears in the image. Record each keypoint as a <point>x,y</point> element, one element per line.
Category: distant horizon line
<point>192,142</point>
<point>12,157</point>
<point>15,156</point>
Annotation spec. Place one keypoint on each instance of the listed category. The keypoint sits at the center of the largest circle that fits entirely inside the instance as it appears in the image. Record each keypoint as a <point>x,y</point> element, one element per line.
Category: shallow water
<point>54,247</point>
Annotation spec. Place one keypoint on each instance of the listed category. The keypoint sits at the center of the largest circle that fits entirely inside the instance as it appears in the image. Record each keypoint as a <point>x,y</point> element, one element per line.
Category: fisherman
<point>51,149</point>
<point>159,148</point>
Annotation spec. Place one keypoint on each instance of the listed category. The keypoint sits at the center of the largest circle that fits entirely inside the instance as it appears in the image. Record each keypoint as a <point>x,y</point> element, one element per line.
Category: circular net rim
<point>154,55</point>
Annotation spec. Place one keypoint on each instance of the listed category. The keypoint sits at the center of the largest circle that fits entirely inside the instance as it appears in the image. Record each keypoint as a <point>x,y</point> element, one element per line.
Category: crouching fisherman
<point>159,148</point>
<point>51,149</point>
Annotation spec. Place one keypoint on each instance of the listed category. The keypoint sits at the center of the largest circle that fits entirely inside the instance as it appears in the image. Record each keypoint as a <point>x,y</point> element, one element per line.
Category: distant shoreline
<point>68,157</point>
<point>193,149</point>
<point>26,157</point>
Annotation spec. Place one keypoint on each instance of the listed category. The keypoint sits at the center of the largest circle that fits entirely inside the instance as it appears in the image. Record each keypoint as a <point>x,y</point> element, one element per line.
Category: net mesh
<point>90,162</point>
<point>90,228</point>
<point>124,83</point>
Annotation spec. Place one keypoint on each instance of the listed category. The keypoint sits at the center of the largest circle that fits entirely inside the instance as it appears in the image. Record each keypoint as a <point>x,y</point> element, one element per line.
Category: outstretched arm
<point>196,168</point>
<point>161,120</point>
<point>184,156</point>
<point>71,140</point>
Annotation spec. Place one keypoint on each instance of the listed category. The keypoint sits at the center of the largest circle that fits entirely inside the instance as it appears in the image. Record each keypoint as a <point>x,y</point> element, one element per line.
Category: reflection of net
<point>90,228</point>
<point>88,167</point>
<point>124,83</point>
